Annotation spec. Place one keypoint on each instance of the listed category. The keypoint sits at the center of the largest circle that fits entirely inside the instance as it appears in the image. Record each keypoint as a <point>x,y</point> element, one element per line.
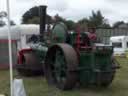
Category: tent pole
<point>10,49</point>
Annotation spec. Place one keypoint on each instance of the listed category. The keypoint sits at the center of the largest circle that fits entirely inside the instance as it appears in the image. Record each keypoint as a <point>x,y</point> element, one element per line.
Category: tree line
<point>95,20</point>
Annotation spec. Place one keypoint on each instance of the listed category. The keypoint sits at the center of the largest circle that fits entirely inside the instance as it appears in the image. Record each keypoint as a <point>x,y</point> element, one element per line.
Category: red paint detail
<point>21,55</point>
<point>79,43</point>
<point>6,41</point>
<point>78,38</point>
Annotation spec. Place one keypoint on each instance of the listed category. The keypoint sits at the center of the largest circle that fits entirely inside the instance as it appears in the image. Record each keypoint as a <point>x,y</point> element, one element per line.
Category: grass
<point>37,86</point>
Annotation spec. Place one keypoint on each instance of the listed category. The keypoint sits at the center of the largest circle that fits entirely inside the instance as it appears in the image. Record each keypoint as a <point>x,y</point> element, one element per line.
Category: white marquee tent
<point>16,33</point>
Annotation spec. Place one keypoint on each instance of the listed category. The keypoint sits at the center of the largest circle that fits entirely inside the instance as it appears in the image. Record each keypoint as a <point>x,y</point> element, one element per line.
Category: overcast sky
<point>113,10</point>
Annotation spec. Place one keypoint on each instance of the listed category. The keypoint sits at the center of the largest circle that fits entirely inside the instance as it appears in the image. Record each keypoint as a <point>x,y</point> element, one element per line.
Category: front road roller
<point>29,63</point>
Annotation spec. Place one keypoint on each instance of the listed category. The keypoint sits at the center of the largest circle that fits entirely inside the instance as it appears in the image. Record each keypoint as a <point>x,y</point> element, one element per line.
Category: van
<point>120,44</point>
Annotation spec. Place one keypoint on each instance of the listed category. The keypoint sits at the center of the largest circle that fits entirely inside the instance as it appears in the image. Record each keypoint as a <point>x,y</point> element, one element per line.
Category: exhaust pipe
<point>42,14</point>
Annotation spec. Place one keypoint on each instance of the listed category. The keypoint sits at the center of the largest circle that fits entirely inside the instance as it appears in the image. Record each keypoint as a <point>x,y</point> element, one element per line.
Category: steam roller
<point>67,64</point>
<point>78,60</point>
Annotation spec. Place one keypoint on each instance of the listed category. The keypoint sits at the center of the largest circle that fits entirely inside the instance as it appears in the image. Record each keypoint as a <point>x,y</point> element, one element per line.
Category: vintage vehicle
<point>77,60</point>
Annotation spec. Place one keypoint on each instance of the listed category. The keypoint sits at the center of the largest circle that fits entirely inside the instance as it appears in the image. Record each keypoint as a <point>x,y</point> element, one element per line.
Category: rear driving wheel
<point>59,68</point>
<point>61,65</point>
<point>30,65</point>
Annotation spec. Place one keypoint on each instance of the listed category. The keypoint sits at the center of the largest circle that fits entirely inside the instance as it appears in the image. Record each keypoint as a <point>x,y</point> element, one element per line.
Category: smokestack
<point>42,13</point>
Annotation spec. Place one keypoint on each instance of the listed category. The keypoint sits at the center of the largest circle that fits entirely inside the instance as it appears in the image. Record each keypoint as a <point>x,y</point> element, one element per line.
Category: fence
<point>104,34</point>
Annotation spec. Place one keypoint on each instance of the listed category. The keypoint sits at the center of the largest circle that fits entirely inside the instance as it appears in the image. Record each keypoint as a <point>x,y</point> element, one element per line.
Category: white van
<point>120,44</point>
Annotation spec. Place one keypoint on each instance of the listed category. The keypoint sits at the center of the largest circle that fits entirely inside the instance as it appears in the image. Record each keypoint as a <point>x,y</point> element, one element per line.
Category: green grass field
<point>37,86</point>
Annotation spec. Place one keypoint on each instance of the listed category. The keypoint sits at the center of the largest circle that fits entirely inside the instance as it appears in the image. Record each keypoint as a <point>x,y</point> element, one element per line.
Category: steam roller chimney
<point>42,14</point>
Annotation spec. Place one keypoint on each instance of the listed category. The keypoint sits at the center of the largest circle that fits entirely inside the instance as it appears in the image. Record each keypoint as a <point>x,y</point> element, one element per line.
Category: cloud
<point>24,0</point>
<point>21,6</point>
<point>113,10</point>
<point>116,1</point>
<point>58,5</point>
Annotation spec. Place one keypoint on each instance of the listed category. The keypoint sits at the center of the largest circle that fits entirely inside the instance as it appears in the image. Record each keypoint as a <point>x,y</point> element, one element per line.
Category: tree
<point>70,24</point>
<point>32,16</point>
<point>84,24</point>
<point>95,20</point>
<point>2,23</point>
<point>3,14</point>
<point>83,21</point>
<point>12,23</point>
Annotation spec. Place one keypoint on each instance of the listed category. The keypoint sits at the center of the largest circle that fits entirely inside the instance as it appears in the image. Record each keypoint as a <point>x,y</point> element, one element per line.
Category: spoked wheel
<point>60,66</point>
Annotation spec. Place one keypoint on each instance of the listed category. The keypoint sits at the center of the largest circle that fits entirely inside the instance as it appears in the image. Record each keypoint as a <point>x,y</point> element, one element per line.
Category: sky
<point>113,10</point>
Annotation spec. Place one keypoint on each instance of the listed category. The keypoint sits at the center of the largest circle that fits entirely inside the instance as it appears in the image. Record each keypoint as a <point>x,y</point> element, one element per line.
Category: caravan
<point>120,44</point>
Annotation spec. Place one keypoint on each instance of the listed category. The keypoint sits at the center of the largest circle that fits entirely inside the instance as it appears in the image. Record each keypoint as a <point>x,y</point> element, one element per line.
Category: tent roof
<point>18,30</point>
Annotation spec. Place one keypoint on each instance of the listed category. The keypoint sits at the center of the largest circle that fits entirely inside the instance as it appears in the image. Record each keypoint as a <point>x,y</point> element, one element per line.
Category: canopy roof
<point>18,30</point>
